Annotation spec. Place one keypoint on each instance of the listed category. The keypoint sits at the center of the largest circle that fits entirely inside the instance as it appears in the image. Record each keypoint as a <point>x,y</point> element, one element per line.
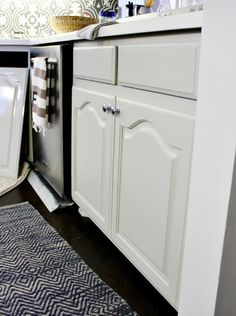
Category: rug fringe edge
<point>13,205</point>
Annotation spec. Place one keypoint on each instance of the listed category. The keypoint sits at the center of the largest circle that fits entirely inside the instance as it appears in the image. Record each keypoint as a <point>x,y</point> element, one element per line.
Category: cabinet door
<point>152,161</point>
<point>92,149</point>
<point>13,85</point>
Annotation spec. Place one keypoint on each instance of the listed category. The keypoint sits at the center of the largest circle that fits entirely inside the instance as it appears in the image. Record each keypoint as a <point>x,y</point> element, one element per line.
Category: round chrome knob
<point>115,111</point>
<point>109,108</point>
<point>104,108</point>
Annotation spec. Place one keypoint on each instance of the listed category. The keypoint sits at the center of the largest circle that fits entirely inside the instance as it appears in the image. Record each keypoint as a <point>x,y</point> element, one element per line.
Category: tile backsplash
<point>30,18</point>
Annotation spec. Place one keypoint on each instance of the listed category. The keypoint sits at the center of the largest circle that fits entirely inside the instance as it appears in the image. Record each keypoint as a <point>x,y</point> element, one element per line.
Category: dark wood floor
<point>98,252</point>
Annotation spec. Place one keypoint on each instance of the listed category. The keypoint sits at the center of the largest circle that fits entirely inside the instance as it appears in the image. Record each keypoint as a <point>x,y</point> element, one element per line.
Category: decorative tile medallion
<point>30,18</point>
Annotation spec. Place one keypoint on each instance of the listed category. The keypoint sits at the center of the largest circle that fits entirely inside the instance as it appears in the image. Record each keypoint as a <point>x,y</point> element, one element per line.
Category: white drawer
<point>167,68</point>
<point>95,63</point>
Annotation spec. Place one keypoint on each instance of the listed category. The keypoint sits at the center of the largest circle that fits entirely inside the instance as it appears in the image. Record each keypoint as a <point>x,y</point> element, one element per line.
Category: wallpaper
<point>30,18</point>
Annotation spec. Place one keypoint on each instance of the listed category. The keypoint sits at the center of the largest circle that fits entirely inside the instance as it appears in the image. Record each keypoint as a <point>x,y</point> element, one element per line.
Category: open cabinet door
<point>13,87</point>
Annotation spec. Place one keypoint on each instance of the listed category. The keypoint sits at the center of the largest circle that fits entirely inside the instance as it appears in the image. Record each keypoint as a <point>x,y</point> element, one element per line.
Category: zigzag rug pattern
<point>40,274</point>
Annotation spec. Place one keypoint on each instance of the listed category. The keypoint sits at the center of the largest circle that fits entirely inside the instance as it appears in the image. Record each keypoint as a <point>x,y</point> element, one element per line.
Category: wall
<point>30,18</point>
<point>213,161</point>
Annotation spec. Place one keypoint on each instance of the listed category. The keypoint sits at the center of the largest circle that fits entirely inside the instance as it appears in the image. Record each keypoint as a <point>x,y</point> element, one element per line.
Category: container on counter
<point>107,16</point>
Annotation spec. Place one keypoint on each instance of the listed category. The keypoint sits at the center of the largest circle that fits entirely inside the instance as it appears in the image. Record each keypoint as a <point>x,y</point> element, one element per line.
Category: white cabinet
<point>92,154</point>
<point>151,171</point>
<point>131,162</point>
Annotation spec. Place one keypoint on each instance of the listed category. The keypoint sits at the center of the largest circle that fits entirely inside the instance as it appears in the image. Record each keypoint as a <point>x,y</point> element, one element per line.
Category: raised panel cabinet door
<point>92,149</point>
<point>13,83</point>
<point>152,162</point>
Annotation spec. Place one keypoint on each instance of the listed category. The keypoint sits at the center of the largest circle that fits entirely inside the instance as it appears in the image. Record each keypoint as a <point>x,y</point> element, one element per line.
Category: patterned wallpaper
<point>30,18</point>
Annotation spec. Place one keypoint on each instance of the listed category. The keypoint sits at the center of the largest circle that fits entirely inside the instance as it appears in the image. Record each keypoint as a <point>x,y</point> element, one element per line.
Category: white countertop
<point>135,25</point>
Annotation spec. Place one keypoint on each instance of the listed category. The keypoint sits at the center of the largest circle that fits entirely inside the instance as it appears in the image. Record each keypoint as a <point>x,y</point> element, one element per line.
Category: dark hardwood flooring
<point>98,252</point>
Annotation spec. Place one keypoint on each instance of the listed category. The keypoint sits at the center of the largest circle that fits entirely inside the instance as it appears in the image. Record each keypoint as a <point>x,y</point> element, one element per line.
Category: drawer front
<point>167,68</point>
<point>95,63</point>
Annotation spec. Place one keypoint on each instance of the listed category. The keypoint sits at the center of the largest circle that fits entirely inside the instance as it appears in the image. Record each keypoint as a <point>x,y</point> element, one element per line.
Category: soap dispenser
<point>129,9</point>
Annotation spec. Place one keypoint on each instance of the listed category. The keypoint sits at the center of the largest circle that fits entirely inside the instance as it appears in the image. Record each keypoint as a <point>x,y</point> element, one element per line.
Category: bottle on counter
<point>195,5</point>
<point>130,9</point>
<point>147,8</point>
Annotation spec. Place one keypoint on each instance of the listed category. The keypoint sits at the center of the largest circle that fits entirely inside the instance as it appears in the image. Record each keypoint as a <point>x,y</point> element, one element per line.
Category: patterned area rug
<point>40,274</point>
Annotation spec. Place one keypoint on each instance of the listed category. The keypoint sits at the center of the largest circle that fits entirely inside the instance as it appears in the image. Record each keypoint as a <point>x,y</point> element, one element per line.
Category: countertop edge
<point>130,26</point>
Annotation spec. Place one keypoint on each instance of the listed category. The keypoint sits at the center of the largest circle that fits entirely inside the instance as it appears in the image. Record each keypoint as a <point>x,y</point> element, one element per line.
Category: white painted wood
<point>152,163</point>
<point>92,154</point>
<point>95,63</point>
<point>137,190</point>
<point>133,25</point>
<point>212,167</point>
<point>13,83</point>
<point>169,68</point>
<point>8,99</point>
<point>168,38</point>
<point>181,105</point>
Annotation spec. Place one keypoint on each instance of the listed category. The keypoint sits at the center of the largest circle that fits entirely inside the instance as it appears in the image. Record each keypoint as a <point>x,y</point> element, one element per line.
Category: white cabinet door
<point>152,161</point>
<point>13,83</point>
<point>92,154</point>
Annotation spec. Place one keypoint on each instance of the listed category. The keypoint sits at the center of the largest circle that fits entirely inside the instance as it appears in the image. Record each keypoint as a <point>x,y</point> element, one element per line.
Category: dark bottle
<point>130,8</point>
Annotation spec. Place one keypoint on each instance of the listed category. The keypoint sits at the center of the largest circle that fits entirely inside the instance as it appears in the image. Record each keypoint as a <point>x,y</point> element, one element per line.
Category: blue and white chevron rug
<point>40,274</point>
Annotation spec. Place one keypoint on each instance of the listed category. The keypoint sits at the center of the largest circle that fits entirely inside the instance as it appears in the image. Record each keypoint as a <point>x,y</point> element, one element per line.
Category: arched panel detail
<point>91,115</point>
<point>84,104</point>
<point>146,156</point>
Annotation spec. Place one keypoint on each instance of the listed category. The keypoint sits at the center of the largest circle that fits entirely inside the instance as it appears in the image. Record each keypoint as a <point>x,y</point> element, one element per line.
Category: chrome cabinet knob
<point>106,108</point>
<point>115,110</point>
<point>109,107</point>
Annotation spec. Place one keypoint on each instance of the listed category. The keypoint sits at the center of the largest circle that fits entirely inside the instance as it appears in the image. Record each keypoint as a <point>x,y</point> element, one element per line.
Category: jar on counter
<point>107,16</point>
<point>195,5</point>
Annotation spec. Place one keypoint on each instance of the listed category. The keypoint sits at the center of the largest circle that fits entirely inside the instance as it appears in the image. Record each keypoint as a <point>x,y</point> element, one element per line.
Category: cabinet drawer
<point>95,63</point>
<point>167,68</point>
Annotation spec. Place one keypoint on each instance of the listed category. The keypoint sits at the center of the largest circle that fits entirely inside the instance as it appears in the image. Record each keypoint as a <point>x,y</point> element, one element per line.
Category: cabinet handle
<point>115,111</point>
<point>106,108</point>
